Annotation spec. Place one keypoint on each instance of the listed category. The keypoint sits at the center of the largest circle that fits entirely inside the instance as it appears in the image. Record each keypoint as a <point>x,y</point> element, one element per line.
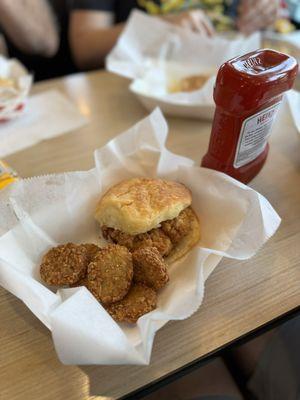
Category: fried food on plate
<point>82,282</point>
<point>139,301</point>
<point>92,250</point>
<point>110,274</point>
<point>143,212</point>
<point>178,227</point>
<point>118,237</point>
<point>188,84</point>
<point>7,83</point>
<point>149,268</point>
<point>154,238</point>
<point>65,264</point>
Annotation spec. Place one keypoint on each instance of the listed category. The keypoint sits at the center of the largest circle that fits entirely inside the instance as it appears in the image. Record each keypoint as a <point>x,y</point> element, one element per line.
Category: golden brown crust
<point>92,250</point>
<point>139,301</point>
<point>118,237</point>
<point>178,227</point>
<point>65,264</point>
<point>155,238</point>
<point>149,268</point>
<point>187,242</point>
<point>138,205</point>
<point>110,274</point>
<point>82,282</point>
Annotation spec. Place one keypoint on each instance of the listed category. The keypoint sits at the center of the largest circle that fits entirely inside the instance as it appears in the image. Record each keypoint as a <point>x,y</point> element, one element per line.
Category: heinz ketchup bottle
<point>247,93</point>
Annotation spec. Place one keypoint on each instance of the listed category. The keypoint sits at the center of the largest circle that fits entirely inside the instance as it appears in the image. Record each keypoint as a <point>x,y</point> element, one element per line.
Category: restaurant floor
<point>264,368</point>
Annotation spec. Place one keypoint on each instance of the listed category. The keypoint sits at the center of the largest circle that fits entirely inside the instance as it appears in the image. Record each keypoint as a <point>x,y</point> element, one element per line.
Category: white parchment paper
<point>41,212</point>
<point>46,115</point>
<point>153,52</point>
<point>293,99</point>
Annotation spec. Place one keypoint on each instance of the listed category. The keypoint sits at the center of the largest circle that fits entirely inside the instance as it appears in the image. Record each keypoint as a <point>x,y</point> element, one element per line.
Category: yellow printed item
<point>215,10</point>
<point>167,6</point>
<point>7,175</point>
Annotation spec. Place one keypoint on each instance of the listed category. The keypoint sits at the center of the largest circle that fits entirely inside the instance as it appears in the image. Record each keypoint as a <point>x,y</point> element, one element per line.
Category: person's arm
<point>256,14</point>
<point>92,36</point>
<point>30,25</point>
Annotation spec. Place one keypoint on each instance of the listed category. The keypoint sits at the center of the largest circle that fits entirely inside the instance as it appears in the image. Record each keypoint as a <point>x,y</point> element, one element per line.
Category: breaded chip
<point>110,274</point>
<point>92,250</point>
<point>139,301</point>
<point>149,268</point>
<point>64,265</point>
<point>82,282</point>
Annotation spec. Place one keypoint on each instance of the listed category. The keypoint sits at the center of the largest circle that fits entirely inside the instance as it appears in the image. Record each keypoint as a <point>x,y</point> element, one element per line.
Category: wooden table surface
<point>240,296</point>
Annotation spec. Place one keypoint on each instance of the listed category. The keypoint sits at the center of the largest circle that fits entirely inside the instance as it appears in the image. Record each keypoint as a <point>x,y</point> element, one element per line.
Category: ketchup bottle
<point>247,93</point>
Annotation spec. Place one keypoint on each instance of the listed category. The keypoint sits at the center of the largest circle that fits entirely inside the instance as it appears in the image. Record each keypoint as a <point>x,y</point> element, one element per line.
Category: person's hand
<point>256,14</point>
<point>195,21</point>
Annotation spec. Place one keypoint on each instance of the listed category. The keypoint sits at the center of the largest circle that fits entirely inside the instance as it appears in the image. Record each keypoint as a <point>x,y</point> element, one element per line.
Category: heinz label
<point>254,135</point>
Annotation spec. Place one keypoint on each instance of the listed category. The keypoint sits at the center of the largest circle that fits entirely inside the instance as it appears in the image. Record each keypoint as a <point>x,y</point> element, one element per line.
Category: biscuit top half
<point>138,205</point>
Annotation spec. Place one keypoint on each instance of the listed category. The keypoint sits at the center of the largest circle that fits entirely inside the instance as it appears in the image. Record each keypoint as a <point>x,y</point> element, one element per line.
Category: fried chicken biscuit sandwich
<point>140,212</point>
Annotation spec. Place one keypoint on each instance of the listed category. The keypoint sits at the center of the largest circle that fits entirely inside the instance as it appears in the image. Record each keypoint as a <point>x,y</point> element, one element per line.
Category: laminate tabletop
<point>240,296</point>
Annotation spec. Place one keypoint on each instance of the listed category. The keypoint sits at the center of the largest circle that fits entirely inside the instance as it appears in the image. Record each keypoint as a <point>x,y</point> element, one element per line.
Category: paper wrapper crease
<point>42,212</point>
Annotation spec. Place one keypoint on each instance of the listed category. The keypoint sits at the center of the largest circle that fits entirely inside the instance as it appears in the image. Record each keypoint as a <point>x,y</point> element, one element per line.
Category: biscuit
<point>138,205</point>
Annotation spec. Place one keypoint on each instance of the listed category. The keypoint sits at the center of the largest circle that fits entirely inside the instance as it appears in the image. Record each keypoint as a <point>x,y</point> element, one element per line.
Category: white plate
<point>150,102</point>
<point>152,89</point>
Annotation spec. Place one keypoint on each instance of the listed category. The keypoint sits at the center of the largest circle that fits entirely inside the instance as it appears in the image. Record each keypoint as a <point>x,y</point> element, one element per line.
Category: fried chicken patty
<point>163,238</point>
<point>149,268</point>
<point>110,273</point>
<point>154,238</point>
<point>178,227</point>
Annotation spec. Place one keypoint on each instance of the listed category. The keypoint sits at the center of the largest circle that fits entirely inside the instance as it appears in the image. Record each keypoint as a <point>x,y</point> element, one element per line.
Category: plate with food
<point>177,90</point>
<point>15,84</point>
<point>174,69</point>
<point>106,257</point>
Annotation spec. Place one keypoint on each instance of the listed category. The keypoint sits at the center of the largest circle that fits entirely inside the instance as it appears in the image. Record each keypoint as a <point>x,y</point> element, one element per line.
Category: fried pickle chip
<point>65,264</point>
<point>149,268</point>
<point>139,301</point>
<point>82,282</point>
<point>110,273</point>
<point>92,250</point>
